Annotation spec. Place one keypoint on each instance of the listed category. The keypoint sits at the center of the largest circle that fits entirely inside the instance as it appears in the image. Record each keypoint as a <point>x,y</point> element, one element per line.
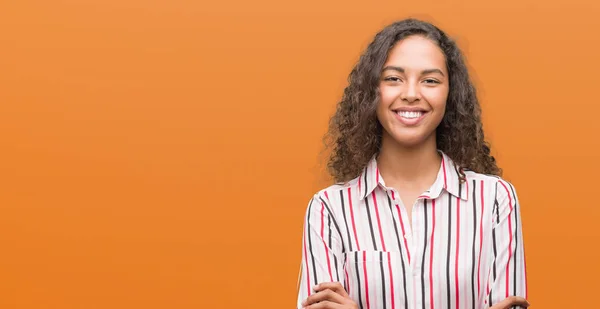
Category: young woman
<point>419,217</point>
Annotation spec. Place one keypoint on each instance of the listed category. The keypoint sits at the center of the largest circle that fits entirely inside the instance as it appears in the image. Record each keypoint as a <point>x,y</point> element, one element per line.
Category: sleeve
<point>322,248</point>
<point>508,274</point>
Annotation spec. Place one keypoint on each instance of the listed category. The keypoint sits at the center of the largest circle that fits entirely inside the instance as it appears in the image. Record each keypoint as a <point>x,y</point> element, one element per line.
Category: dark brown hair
<point>355,132</point>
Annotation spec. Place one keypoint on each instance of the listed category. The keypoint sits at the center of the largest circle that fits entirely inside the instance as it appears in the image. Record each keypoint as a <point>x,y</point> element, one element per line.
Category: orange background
<point>160,154</point>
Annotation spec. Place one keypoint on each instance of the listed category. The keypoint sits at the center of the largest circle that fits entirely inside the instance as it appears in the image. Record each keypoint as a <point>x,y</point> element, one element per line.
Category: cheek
<point>437,99</point>
<point>388,95</point>
<point>386,99</point>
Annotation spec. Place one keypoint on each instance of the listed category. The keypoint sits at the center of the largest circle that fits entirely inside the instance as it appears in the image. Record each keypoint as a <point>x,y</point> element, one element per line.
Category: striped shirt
<point>464,248</point>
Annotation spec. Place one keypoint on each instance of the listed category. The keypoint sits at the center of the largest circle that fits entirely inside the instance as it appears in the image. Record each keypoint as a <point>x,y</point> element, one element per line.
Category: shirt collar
<point>369,179</point>
<point>448,179</point>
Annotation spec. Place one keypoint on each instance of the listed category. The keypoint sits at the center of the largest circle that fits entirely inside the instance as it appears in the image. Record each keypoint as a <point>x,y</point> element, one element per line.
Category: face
<point>413,90</point>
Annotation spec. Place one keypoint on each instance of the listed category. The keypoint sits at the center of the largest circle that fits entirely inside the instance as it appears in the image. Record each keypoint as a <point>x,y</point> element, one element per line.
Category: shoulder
<point>336,196</point>
<point>493,182</point>
<point>501,190</point>
<point>327,193</point>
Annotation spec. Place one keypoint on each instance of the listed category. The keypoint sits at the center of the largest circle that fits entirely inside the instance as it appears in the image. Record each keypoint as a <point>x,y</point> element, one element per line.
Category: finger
<point>324,295</point>
<point>334,286</point>
<point>324,305</point>
<point>511,301</point>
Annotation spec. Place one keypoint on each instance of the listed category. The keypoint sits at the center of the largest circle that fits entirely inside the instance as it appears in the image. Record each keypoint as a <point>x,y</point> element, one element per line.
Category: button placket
<point>402,224</point>
<point>415,236</point>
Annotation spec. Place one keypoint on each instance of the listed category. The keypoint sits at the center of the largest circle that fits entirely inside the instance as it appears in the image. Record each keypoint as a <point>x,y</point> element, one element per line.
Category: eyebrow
<point>401,70</point>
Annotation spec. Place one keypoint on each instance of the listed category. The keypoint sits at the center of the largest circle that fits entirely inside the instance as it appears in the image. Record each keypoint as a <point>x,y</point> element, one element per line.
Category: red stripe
<point>457,251</point>
<point>347,280</point>
<point>306,260</point>
<point>480,242</point>
<point>402,226</point>
<point>323,237</point>
<point>431,256</point>
<point>327,196</point>
<point>444,168</point>
<point>391,281</point>
<point>509,239</point>
<point>378,221</point>
<point>525,271</point>
<point>366,278</point>
<point>488,281</point>
<point>352,216</point>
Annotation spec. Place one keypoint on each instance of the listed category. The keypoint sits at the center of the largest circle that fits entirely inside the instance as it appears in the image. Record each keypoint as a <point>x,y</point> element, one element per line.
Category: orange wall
<point>160,154</point>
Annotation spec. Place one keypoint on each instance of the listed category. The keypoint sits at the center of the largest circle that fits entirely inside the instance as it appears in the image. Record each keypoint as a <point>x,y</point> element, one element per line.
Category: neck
<point>408,166</point>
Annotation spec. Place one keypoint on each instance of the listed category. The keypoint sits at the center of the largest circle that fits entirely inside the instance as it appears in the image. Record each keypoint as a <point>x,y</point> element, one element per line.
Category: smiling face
<point>413,90</point>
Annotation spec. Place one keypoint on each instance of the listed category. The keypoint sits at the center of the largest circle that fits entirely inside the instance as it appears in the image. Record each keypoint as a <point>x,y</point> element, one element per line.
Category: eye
<point>393,79</point>
<point>431,81</point>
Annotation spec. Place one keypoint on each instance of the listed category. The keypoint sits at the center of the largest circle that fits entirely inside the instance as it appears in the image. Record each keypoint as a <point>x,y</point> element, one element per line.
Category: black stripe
<point>345,221</point>
<point>337,272</point>
<point>423,261</point>
<point>366,186</point>
<point>515,210</point>
<point>474,237</point>
<point>401,256</point>
<point>329,226</point>
<point>330,246</point>
<point>345,282</point>
<point>360,302</point>
<point>448,255</point>
<point>494,211</point>
<point>370,224</point>
<point>334,223</point>
<point>460,186</point>
<point>382,280</point>
<point>310,243</point>
<point>495,254</point>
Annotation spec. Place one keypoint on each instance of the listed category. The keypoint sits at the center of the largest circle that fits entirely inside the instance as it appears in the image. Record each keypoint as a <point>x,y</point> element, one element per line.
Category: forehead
<point>416,52</point>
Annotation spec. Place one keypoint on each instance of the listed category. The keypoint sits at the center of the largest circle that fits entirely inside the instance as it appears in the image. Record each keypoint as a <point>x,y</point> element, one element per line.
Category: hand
<point>511,301</point>
<point>330,295</point>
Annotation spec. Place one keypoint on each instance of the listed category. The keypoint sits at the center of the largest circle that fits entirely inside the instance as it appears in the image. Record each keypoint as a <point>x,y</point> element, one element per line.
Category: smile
<point>409,115</point>
<point>410,118</point>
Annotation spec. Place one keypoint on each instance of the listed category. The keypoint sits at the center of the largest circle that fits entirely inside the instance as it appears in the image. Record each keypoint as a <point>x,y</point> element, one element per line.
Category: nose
<point>411,92</point>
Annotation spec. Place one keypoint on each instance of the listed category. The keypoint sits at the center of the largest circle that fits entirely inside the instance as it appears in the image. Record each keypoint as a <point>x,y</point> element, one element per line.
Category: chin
<point>409,141</point>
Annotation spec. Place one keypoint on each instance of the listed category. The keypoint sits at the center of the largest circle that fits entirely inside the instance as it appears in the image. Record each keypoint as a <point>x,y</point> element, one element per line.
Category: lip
<point>412,121</point>
<point>409,109</point>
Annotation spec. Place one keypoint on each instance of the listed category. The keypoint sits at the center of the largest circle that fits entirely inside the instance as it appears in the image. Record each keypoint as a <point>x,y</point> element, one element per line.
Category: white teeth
<point>410,114</point>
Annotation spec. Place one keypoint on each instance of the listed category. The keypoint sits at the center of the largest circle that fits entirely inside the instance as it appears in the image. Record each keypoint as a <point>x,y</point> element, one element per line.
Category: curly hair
<point>355,132</point>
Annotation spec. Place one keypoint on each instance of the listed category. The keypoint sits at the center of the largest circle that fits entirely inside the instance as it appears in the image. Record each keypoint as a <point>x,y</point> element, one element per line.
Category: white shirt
<point>464,248</point>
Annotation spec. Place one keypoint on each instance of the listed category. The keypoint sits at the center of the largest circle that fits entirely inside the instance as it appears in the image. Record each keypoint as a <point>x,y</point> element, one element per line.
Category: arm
<point>321,249</point>
<point>508,275</point>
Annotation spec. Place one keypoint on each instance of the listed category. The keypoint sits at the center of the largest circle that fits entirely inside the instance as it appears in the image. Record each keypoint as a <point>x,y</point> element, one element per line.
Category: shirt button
<point>407,235</point>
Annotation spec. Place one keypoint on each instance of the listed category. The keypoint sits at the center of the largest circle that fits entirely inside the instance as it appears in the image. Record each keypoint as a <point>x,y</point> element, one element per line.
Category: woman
<point>419,217</point>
